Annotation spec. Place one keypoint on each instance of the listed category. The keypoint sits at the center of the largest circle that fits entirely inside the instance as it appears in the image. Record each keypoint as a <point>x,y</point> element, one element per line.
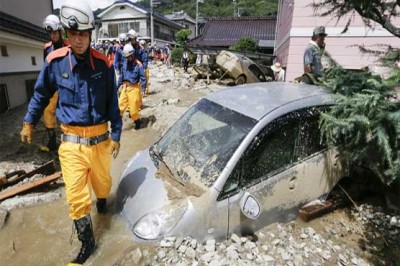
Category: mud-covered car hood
<point>139,191</point>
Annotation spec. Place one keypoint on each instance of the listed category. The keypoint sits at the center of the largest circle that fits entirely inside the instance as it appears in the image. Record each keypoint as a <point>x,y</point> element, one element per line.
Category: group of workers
<point>78,84</point>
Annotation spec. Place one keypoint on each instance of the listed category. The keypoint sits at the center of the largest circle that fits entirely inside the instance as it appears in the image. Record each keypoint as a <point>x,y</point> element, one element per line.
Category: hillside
<point>217,8</point>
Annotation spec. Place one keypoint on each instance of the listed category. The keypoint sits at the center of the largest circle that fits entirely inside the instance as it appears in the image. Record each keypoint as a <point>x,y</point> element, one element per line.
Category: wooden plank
<point>314,211</point>
<point>30,185</point>
<point>45,169</point>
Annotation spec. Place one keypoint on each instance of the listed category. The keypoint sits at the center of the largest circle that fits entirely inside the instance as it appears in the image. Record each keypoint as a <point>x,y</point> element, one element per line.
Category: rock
<point>210,245</point>
<point>235,238</point>
<point>190,253</point>
<point>232,254</point>
<point>182,249</point>
<point>208,257</point>
<point>326,255</point>
<point>161,254</point>
<point>136,257</point>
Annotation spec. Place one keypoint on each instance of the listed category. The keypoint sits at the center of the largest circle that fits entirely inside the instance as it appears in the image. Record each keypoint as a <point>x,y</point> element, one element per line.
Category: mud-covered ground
<point>37,230</point>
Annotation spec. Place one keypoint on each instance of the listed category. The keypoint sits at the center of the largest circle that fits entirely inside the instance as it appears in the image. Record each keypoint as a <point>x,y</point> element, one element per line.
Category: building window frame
<point>4,51</point>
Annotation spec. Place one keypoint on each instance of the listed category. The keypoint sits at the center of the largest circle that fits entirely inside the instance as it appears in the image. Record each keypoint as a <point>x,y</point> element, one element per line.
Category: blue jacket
<point>118,58</point>
<point>141,54</point>
<point>87,93</point>
<point>132,72</point>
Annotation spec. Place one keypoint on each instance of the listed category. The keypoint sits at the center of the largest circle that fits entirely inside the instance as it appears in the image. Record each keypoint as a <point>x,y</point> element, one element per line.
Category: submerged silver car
<point>237,160</point>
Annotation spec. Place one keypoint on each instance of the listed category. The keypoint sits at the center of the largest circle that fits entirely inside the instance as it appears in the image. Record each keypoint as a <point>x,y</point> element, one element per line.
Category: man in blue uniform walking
<point>85,82</point>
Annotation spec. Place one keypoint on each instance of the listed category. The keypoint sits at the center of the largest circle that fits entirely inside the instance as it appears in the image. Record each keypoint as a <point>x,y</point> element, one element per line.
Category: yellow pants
<point>49,114</point>
<point>84,167</point>
<point>147,75</point>
<point>131,97</point>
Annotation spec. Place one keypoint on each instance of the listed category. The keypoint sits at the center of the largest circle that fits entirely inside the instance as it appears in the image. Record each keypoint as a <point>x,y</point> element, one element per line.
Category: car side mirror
<point>250,206</point>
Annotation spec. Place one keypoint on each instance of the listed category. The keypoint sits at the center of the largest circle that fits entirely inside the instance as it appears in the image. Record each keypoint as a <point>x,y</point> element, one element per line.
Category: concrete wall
<point>16,87</point>
<point>290,45</point>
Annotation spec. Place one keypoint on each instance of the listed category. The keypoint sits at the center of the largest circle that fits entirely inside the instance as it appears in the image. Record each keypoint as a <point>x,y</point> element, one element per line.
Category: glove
<point>26,133</point>
<point>115,148</point>
<point>121,88</point>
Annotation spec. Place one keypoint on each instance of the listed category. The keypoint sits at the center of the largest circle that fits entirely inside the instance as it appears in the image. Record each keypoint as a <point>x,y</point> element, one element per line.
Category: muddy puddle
<point>40,235</point>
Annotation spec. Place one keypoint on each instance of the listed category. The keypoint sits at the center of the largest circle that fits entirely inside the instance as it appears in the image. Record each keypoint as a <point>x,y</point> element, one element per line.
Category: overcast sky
<point>94,4</point>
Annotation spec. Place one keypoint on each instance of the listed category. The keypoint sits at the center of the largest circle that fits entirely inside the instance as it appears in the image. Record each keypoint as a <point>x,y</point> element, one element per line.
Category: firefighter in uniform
<point>118,58</point>
<point>53,27</point>
<point>131,80</point>
<point>140,53</point>
<point>85,82</point>
<point>142,45</point>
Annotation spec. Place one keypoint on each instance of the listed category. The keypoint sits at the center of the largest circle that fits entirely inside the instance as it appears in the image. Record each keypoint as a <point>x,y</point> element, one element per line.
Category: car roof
<point>256,100</point>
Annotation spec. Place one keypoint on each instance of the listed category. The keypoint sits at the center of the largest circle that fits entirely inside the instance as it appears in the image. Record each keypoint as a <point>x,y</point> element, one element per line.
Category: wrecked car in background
<point>241,69</point>
<point>237,160</point>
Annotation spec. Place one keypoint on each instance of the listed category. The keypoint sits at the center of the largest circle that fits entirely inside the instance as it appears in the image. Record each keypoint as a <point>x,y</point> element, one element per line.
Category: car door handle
<point>292,182</point>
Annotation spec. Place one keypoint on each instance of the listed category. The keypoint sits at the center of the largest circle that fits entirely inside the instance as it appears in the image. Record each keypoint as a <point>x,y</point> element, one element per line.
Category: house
<point>22,41</point>
<point>124,15</point>
<point>185,20</point>
<point>296,21</point>
<point>221,33</point>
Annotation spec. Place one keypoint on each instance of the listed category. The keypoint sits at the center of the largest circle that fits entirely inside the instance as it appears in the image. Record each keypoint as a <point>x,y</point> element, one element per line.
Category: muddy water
<point>40,235</point>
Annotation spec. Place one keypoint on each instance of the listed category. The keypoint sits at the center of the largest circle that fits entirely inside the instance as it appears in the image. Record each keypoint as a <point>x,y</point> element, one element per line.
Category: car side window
<point>284,141</point>
<point>257,72</point>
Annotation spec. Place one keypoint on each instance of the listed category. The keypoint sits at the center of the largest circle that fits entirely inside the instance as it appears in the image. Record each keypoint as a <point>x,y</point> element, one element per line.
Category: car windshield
<point>202,141</point>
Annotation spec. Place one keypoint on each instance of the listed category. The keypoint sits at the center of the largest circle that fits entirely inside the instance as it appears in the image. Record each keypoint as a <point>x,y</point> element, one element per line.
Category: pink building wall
<point>296,21</point>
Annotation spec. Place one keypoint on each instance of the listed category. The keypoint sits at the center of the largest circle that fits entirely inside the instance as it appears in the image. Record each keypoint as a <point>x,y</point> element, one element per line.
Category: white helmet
<point>142,42</point>
<point>128,50</point>
<point>77,15</point>
<point>132,34</point>
<point>52,23</point>
<point>122,37</point>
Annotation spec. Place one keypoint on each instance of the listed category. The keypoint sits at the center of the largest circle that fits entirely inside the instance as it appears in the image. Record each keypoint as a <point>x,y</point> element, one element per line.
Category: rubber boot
<point>84,230</point>
<point>52,144</point>
<point>101,205</point>
<point>137,124</point>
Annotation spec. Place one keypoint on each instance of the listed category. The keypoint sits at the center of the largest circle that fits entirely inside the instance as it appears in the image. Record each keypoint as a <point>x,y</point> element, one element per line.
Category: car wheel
<point>240,80</point>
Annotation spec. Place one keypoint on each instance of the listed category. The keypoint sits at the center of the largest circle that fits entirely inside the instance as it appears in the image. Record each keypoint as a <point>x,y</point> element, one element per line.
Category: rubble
<point>285,244</point>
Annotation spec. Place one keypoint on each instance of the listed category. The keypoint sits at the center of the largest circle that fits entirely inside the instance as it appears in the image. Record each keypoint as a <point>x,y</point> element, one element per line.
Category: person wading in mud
<point>85,82</point>
<point>131,82</point>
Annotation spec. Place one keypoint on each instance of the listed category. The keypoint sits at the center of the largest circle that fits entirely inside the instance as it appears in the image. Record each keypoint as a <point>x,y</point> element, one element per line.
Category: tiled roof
<point>181,15</point>
<point>21,27</point>
<point>228,31</point>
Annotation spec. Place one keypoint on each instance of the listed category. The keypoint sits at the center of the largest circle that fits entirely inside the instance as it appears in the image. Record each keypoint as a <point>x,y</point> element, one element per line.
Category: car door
<point>283,168</point>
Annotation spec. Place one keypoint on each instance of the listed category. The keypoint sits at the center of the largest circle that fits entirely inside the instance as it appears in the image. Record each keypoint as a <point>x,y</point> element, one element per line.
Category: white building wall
<point>20,50</point>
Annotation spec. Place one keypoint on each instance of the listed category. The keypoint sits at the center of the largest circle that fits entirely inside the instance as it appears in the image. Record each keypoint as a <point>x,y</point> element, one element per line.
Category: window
<point>4,101</point>
<point>33,59</point>
<point>282,143</point>
<point>115,29</point>
<point>257,72</point>
<point>3,50</point>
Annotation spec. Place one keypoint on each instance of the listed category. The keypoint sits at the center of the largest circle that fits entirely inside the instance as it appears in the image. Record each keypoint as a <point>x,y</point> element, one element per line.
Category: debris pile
<point>288,244</point>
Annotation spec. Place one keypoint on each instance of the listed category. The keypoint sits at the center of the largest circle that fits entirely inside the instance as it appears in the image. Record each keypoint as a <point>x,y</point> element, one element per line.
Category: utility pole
<point>197,18</point>
<point>151,23</point>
